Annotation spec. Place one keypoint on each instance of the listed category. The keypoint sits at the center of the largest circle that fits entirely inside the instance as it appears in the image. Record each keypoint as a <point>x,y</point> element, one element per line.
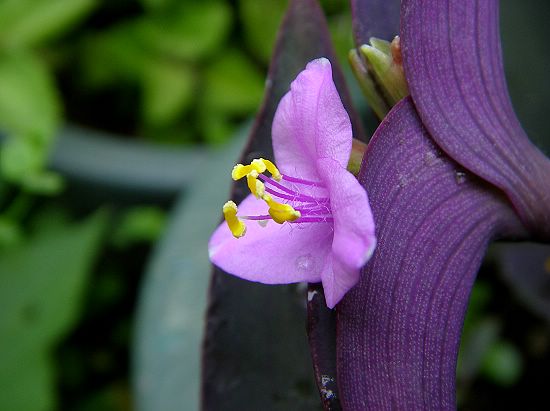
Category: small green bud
<point>358,149</point>
<point>367,84</point>
<point>385,62</point>
<point>381,45</point>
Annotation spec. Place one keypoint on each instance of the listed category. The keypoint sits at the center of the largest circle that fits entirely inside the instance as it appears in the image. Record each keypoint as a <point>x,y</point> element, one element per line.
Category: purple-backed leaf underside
<point>453,64</point>
<point>375,18</point>
<point>321,332</point>
<point>398,330</point>
<point>526,269</point>
<point>255,355</point>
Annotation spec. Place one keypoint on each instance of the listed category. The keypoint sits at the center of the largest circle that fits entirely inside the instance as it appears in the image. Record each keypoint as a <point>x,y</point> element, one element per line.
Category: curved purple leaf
<point>254,354</point>
<point>453,64</point>
<point>398,331</point>
<point>374,18</point>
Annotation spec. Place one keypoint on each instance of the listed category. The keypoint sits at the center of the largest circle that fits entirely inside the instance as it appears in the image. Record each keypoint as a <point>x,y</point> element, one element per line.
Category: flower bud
<point>384,60</point>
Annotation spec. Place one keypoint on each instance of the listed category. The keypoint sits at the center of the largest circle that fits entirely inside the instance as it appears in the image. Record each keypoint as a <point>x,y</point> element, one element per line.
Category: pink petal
<point>311,123</point>
<point>353,238</point>
<point>274,254</point>
<point>337,280</point>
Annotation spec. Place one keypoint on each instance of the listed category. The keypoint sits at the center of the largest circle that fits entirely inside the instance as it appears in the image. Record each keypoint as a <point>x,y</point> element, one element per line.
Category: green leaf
<point>30,115</point>
<point>22,162</point>
<point>41,288</point>
<point>192,31</point>
<point>168,90</point>
<point>25,23</point>
<point>44,182</point>
<point>156,4</point>
<point>19,157</point>
<point>29,384</point>
<point>216,128</point>
<point>29,103</point>
<point>233,85</point>
<point>139,224</point>
<point>10,232</point>
<point>261,20</point>
<point>503,364</point>
<point>113,56</point>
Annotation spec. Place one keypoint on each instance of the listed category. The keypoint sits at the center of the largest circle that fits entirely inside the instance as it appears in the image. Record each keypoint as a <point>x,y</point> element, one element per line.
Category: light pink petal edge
<point>337,280</point>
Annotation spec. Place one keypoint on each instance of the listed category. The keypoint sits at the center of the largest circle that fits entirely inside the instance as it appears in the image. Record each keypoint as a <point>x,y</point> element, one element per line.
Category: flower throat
<point>295,207</point>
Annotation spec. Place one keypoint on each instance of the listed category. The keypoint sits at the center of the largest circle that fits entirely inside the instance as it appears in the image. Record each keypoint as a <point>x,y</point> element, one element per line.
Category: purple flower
<point>311,221</point>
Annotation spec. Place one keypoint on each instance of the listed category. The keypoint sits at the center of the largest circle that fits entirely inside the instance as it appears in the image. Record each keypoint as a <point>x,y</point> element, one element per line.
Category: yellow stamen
<point>272,169</point>
<point>237,227</point>
<point>280,212</point>
<point>239,171</point>
<point>256,186</point>
<point>260,165</point>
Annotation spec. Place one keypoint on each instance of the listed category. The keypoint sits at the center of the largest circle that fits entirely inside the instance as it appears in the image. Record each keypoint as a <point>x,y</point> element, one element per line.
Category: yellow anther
<point>280,212</point>
<point>256,186</point>
<point>239,171</point>
<point>272,169</point>
<point>237,227</point>
<point>260,165</point>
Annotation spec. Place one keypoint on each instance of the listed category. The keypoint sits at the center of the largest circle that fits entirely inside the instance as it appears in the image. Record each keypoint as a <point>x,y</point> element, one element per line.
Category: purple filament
<point>294,196</point>
<point>314,220</point>
<point>300,220</point>
<point>315,211</point>
<point>302,181</point>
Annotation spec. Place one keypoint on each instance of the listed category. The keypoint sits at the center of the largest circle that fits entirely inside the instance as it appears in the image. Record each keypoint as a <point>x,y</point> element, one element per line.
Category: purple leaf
<point>453,64</point>
<point>398,331</point>
<point>374,18</point>
<point>255,355</point>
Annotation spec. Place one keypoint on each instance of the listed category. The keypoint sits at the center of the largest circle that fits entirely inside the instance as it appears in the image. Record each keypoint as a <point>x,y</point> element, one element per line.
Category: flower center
<point>295,205</point>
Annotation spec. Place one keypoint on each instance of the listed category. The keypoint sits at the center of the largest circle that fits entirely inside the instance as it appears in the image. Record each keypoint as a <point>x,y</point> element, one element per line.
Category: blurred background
<point>119,121</point>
